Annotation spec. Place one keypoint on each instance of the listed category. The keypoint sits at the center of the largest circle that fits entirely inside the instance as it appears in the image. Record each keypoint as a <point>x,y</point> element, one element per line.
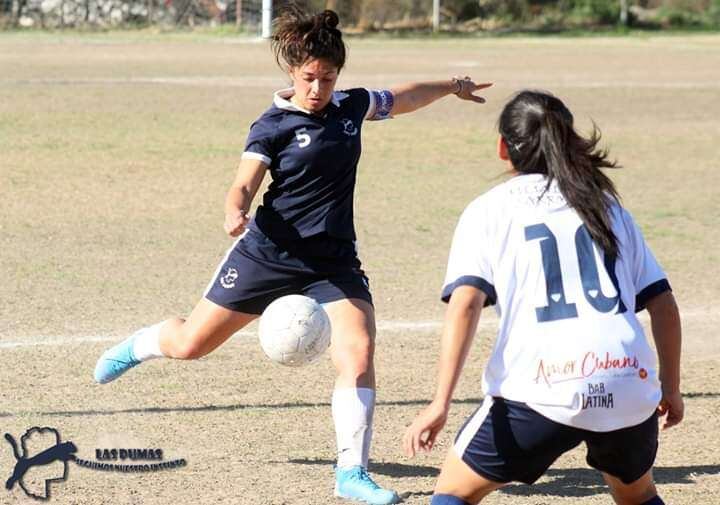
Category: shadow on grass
<point>258,406</point>
<point>588,482</point>
<point>562,482</point>
<point>220,408</point>
<point>399,470</point>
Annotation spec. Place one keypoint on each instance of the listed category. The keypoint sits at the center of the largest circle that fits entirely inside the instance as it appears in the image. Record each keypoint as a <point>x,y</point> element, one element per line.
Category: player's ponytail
<point>300,37</point>
<point>538,130</point>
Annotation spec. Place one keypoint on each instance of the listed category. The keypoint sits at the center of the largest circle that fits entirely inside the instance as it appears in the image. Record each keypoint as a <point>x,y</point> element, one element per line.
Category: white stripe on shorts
<point>222,262</point>
<point>472,426</point>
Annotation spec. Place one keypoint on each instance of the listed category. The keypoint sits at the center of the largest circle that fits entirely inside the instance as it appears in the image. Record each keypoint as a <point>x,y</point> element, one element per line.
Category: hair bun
<point>327,19</point>
<point>299,37</point>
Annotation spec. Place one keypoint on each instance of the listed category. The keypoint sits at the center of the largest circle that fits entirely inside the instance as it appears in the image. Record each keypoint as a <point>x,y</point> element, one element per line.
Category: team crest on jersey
<point>349,127</point>
<point>228,280</point>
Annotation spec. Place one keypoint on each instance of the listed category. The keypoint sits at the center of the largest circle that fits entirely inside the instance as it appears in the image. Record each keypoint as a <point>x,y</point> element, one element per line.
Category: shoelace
<point>364,476</point>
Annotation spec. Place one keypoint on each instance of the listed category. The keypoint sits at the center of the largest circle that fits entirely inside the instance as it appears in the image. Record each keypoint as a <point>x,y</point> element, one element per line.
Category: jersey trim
<point>476,282</point>
<point>249,155</point>
<point>650,292</point>
<point>282,97</point>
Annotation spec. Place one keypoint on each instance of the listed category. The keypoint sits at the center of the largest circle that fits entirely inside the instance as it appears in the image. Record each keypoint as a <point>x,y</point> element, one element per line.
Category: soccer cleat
<point>116,361</point>
<point>355,483</point>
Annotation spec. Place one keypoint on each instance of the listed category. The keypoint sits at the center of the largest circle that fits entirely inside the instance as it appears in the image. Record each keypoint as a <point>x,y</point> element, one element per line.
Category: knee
<point>355,358</point>
<point>187,345</point>
<point>188,351</point>
<point>642,491</point>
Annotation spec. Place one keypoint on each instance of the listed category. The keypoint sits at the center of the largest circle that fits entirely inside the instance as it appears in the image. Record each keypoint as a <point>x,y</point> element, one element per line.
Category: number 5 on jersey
<point>558,307</point>
<point>302,137</point>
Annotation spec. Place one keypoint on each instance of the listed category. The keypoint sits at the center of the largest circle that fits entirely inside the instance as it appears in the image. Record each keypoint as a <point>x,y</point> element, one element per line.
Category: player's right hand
<point>235,222</point>
<point>468,87</point>
<point>672,407</point>
<point>421,434</point>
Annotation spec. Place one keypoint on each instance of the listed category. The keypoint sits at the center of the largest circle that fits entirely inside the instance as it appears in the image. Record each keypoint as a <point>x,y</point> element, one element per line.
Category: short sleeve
<point>648,276</point>
<point>381,104</point>
<point>259,145</point>
<point>468,264</point>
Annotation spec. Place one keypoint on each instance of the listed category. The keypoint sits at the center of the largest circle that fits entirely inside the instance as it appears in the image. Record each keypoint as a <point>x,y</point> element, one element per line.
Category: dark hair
<point>300,37</point>
<point>538,130</point>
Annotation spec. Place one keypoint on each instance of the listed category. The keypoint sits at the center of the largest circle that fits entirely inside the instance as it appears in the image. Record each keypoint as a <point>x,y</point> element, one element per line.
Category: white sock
<point>352,411</point>
<point>147,343</point>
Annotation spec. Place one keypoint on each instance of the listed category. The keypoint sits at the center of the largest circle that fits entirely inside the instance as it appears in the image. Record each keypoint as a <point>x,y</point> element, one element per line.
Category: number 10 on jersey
<point>558,307</point>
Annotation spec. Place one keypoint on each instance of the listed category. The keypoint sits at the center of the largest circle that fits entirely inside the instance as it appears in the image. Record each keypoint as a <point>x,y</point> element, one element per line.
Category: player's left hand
<point>467,89</point>
<point>235,222</point>
<point>421,434</point>
<point>672,407</point>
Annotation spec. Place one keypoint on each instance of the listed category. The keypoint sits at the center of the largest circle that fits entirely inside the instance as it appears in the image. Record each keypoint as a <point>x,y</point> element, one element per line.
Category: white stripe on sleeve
<point>249,155</point>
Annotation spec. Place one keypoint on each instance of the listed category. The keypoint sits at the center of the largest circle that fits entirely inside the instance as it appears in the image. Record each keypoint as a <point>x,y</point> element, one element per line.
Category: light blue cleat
<point>354,483</point>
<point>116,361</point>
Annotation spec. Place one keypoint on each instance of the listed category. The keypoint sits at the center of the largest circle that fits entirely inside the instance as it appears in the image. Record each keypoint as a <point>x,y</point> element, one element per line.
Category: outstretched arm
<point>666,330</point>
<point>415,95</point>
<point>461,321</point>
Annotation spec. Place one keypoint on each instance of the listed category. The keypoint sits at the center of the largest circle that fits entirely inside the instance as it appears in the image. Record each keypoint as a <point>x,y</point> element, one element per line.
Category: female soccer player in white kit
<point>301,239</point>
<point>567,269</point>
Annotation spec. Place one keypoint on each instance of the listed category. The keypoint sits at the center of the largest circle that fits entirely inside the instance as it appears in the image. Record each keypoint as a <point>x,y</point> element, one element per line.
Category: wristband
<point>460,85</point>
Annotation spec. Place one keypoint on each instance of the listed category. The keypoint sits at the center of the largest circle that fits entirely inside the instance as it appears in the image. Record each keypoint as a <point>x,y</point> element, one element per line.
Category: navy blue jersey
<point>313,162</point>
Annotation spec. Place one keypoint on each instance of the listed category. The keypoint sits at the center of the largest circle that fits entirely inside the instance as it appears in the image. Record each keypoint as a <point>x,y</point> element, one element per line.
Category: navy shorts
<point>257,270</point>
<point>506,441</point>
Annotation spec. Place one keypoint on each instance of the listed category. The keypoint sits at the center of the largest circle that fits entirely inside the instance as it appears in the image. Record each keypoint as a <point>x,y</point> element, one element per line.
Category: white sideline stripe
<point>388,326</point>
<point>382,326</point>
<point>277,81</point>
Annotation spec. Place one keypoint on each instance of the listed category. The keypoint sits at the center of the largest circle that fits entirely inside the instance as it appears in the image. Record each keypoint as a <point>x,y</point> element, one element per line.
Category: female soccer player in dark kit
<point>301,239</point>
<point>567,268</point>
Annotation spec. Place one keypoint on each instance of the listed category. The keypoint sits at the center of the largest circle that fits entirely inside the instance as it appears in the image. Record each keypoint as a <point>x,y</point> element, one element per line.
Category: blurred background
<point>363,16</point>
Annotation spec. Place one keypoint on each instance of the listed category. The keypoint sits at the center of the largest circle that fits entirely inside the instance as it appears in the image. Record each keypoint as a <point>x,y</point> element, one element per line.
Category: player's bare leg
<point>640,492</point>
<point>207,327</point>
<point>352,349</point>
<point>458,480</point>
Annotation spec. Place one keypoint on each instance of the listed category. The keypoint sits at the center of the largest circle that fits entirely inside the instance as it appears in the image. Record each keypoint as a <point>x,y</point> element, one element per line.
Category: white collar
<point>281,99</point>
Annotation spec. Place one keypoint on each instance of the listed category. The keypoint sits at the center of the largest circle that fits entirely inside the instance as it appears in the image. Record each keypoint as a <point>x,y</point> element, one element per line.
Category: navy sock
<point>448,499</point>
<point>654,501</point>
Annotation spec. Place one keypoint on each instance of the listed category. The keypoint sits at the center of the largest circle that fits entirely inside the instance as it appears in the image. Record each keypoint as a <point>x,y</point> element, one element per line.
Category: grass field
<point>115,154</point>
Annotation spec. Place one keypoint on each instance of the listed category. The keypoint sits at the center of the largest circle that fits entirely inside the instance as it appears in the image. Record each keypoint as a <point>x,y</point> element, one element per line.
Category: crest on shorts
<point>349,127</point>
<point>228,280</point>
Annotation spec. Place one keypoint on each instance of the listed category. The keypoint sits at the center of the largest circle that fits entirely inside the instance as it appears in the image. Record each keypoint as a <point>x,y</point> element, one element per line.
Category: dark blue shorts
<point>257,270</point>
<point>506,441</point>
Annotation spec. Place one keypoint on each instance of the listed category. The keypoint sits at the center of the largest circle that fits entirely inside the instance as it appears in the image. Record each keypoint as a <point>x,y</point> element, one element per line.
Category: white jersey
<point>569,344</point>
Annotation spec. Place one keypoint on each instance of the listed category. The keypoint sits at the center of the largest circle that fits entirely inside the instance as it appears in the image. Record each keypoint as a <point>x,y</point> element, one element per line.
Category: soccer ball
<point>294,330</point>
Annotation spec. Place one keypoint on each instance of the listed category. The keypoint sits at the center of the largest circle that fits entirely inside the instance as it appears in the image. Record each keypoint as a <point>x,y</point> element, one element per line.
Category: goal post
<point>267,12</point>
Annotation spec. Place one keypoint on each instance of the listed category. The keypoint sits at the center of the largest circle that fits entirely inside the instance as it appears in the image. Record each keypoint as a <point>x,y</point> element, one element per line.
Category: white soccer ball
<point>294,330</point>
